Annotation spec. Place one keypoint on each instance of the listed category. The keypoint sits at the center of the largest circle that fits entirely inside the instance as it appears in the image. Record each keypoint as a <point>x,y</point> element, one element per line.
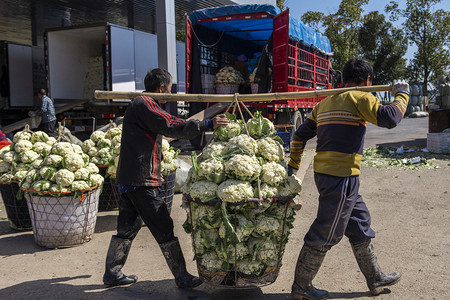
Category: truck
<point>299,56</point>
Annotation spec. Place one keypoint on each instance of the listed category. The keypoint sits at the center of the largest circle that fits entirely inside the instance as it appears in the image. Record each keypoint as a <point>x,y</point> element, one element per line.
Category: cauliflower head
<point>79,185</point>
<point>273,173</point>
<point>28,156</point>
<point>42,148</point>
<point>243,167</point>
<point>203,190</point>
<point>212,169</point>
<point>23,145</point>
<point>210,261</point>
<point>292,186</point>
<point>81,174</point>
<point>73,162</point>
<point>267,225</point>
<point>64,177</point>
<point>54,160</point>
<point>249,267</point>
<point>41,185</point>
<point>97,135</point>
<point>62,148</point>
<point>270,149</point>
<point>96,179</point>
<point>22,135</point>
<point>87,144</point>
<point>39,136</point>
<point>232,190</point>
<point>93,169</point>
<point>4,167</point>
<point>215,148</point>
<point>267,191</point>
<point>243,141</point>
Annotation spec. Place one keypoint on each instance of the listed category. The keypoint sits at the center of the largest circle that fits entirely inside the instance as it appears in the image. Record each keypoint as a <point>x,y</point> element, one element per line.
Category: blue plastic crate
<point>286,137</point>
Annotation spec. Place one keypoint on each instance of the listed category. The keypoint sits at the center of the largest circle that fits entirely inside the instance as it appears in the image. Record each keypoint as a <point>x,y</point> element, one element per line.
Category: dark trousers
<point>48,128</point>
<point>341,211</point>
<point>144,204</point>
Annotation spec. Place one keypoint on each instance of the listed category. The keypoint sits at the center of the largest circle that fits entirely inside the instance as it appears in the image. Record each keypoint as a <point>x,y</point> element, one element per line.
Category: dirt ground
<point>410,215</point>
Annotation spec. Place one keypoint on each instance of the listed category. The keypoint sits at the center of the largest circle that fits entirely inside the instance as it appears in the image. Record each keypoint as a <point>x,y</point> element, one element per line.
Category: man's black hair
<point>155,78</point>
<point>43,92</point>
<point>356,71</point>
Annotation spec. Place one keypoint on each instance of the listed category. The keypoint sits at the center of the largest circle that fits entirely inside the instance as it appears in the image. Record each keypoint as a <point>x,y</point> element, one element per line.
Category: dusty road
<point>410,211</point>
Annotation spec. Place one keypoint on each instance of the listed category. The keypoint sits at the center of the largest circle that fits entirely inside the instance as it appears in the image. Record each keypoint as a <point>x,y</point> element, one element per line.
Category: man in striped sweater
<point>139,175</point>
<point>339,122</point>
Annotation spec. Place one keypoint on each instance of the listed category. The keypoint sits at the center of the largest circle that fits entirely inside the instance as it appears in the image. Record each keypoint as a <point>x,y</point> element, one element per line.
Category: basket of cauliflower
<point>169,165</point>
<point>15,160</point>
<point>103,149</point>
<point>228,80</point>
<point>239,202</point>
<point>61,188</point>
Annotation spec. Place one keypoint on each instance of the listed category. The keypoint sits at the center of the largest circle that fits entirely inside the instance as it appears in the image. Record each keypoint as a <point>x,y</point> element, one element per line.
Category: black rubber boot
<point>115,259</point>
<point>367,262</point>
<point>308,264</point>
<point>175,259</point>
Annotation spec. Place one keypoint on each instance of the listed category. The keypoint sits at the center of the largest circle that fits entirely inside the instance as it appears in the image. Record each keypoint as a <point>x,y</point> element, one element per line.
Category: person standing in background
<point>47,113</point>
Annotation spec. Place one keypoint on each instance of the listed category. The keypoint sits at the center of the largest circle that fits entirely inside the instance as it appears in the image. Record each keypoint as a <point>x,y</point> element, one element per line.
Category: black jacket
<point>144,124</point>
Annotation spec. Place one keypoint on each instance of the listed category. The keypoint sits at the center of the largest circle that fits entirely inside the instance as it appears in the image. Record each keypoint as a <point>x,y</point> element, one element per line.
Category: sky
<point>298,7</point>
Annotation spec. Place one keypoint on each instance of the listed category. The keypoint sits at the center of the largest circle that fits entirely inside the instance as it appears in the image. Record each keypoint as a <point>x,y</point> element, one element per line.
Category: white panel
<point>68,55</point>
<point>145,56</point>
<point>181,66</point>
<point>20,75</point>
<point>122,59</point>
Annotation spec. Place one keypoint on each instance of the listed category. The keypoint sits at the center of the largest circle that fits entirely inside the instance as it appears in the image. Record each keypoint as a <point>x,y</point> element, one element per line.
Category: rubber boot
<point>175,259</point>
<point>367,262</point>
<point>308,264</point>
<point>115,259</point>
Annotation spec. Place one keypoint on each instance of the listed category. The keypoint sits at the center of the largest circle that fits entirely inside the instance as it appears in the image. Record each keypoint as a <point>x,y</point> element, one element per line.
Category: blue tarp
<point>258,30</point>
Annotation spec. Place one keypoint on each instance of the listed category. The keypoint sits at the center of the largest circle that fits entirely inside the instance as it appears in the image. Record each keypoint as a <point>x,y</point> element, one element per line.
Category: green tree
<point>280,4</point>
<point>429,29</point>
<point>341,28</point>
<point>384,47</point>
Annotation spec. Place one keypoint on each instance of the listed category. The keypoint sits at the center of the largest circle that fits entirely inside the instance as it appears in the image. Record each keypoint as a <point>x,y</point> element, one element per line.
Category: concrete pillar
<point>167,49</point>
<point>165,30</point>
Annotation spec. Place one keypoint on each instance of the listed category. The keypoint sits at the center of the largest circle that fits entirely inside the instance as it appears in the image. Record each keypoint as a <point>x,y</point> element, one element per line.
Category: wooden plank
<point>264,97</point>
<point>20,124</point>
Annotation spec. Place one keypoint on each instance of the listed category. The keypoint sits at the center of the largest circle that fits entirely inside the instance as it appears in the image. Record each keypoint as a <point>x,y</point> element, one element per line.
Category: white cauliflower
<point>41,185</point>
<point>113,132</point>
<point>97,135</point>
<point>243,141</point>
<point>103,143</point>
<point>6,177</point>
<point>79,185</point>
<point>39,136</point>
<point>96,179</point>
<point>4,150</point>
<point>23,145</point>
<point>54,160</point>
<point>210,261</point>
<point>47,173</point>
<point>92,152</point>
<point>51,141</point>
<point>203,189</point>
<point>205,239</point>
<point>77,149</point>
<point>249,267</point>
<point>42,148</point>
<point>215,148</point>
<point>243,227</point>
<point>56,188</point>
<point>28,156</point>
<point>82,174</point>
<point>104,153</point>
<point>267,225</point>
<point>270,149</point>
<point>116,140</point>
<point>73,162</point>
<point>112,170</point>
<point>4,167</point>
<point>234,190</point>
<point>22,167</point>
<point>268,191</point>
<point>10,157</point>
<point>19,175</point>
<point>87,144</point>
<point>212,169</point>
<point>266,250</point>
<point>64,177</point>
<point>292,186</point>
<point>93,169</point>
<point>165,145</point>
<point>273,173</point>
<point>62,148</point>
<point>37,163</point>
<point>32,175</point>
<point>243,167</point>
<point>22,135</point>
<point>233,252</point>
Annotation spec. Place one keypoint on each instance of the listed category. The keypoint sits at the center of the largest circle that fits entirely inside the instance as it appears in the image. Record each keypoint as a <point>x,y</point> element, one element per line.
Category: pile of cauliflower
<point>228,75</point>
<point>103,148</point>
<point>45,166</point>
<point>170,158</point>
<point>241,199</point>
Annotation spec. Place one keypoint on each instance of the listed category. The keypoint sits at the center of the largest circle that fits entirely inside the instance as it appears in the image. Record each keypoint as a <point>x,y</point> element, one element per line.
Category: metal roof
<point>25,21</point>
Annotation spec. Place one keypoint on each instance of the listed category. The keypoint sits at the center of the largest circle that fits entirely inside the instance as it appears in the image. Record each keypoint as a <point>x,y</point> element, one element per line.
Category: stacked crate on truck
<point>299,56</point>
